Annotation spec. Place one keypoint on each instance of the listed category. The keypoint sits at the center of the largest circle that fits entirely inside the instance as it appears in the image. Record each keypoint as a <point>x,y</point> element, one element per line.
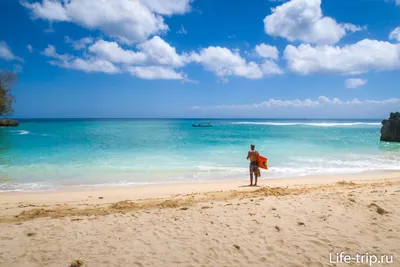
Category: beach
<point>129,130</point>
<point>299,221</point>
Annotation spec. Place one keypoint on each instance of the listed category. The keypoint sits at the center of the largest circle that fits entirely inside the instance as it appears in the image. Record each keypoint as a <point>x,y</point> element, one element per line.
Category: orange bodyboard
<point>262,162</point>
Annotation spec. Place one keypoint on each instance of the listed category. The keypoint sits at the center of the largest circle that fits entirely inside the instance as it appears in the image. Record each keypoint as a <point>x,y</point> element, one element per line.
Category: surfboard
<point>262,162</point>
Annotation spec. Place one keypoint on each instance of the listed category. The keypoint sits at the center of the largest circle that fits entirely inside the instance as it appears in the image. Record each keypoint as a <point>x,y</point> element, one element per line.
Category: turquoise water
<point>45,154</point>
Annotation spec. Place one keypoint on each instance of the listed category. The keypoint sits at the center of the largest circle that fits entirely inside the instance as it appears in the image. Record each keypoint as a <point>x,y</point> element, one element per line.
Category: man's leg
<point>256,176</point>
<point>251,175</point>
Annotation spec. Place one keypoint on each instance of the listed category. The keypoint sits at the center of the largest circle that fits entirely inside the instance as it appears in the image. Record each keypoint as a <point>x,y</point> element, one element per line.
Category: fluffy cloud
<point>6,53</point>
<point>111,51</point>
<point>160,52</point>
<point>86,65</point>
<point>156,72</point>
<point>168,7</point>
<point>271,68</point>
<point>303,20</point>
<point>395,34</point>
<point>30,48</point>
<point>105,54</point>
<point>307,103</point>
<point>223,62</point>
<point>322,107</point>
<point>128,20</point>
<point>79,44</point>
<point>50,51</point>
<point>267,51</point>
<point>152,52</point>
<point>48,9</point>
<point>355,83</point>
<point>357,58</point>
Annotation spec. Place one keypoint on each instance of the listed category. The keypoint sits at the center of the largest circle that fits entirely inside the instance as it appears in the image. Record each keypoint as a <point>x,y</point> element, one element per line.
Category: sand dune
<point>268,226</point>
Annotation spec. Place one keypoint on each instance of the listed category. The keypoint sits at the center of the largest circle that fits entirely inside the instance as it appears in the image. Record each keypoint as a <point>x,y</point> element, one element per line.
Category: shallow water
<point>44,154</point>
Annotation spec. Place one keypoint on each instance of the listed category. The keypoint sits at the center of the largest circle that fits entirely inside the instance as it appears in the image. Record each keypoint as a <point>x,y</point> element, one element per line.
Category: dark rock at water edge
<point>390,131</point>
<point>8,123</point>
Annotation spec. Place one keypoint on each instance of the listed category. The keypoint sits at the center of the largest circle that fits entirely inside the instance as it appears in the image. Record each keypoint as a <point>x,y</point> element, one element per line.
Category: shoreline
<point>13,203</point>
<point>231,180</point>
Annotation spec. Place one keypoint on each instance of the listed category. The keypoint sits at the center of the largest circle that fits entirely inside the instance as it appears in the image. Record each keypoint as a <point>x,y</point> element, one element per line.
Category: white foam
<point>25,187</point>
<point>23,132</point>
<point>104,175</point>
<point>317,124</point>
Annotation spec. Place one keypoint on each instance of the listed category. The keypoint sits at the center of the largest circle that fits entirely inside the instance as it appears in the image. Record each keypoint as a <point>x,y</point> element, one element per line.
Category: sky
<point>202,58</point>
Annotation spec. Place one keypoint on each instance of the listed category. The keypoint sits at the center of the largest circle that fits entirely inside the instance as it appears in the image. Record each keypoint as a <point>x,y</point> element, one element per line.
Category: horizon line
<point>180,118</point>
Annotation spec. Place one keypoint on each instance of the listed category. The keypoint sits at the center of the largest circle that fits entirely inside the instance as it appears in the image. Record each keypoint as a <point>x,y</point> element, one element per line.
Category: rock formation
<point>390,131</point>
<point>8,123</point>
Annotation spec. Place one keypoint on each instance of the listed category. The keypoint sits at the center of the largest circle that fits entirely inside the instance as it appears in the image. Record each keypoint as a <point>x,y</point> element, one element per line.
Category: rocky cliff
<point>390,131</point>
<point>8,123</point>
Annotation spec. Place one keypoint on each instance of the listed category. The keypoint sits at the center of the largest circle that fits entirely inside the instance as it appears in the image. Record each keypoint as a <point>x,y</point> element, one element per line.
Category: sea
<point>42,155</point>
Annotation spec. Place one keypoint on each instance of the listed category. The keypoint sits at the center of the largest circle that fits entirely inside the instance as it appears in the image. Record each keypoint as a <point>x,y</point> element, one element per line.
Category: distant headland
<point>8,123</point>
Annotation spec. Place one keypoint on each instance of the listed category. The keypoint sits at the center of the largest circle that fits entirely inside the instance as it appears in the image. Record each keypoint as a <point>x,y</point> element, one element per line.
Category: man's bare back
<point>252,155</point>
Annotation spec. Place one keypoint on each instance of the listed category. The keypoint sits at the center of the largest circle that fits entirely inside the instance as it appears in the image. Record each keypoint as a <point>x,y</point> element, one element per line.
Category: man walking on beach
<point>253,156</point>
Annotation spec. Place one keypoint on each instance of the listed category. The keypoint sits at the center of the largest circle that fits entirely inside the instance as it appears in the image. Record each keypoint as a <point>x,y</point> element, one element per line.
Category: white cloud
<point>6,53</point>
<point>271,68</point>
<point>107,53</point>
<point>182,30</point>
<point>50,51</point>
<point>395,34</point>
<point>48,9</point>
<point>168,7</point>
<point>111,51</point>
<point>267,51</point>
<point>87,65</point>
<point>79,44</point>
<point>160,52</point>
<point>355,83</point>
<point>306,103</point>
<point>18,68</point>
<point>303,20</point>
<point>30,48</point>
<point>323,107</point>
<point>223,62</point>
<point>152,52</point>
<point>128,20</point>
<point>361,57</point>
<point>353,28</point>
<point>156,72</point>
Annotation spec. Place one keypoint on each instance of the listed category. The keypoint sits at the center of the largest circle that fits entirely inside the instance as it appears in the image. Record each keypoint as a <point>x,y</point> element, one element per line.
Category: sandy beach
<point>283,222</point>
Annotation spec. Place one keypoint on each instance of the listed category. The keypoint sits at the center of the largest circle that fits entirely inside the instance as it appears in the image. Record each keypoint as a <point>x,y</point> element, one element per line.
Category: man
<point>253,156</point>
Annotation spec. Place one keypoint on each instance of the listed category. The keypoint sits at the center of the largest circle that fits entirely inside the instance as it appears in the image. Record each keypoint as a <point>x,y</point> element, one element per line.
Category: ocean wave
<point>79,175</point>
<point>317,124</point>
<point>23,132</point>
<point>25,187</point>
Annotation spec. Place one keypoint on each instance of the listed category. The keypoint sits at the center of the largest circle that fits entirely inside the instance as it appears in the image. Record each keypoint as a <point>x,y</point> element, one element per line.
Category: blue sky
<point>183,58</point>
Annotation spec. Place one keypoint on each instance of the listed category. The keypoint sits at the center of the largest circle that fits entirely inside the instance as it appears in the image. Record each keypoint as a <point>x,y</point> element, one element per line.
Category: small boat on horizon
<point>202,125</point>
